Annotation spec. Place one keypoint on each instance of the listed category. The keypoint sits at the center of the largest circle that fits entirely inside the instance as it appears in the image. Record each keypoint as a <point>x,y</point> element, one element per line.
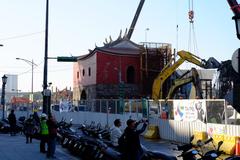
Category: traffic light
<point>67,59</point>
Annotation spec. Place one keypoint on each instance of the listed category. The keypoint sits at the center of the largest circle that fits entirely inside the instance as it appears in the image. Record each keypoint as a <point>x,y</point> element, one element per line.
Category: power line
<point>21,36</point>
<point>51,71</point>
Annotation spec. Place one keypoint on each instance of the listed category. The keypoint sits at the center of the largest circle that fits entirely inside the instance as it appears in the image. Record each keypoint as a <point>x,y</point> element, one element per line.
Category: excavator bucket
<point>212,63</point>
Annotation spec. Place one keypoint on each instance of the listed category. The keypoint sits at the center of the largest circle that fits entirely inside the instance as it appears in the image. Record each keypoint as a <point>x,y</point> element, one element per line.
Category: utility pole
<point>32,67</point>
<point>46,93</point>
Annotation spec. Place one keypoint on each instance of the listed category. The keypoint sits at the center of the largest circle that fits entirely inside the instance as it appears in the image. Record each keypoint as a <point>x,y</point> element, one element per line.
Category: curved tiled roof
<point>121,46</point>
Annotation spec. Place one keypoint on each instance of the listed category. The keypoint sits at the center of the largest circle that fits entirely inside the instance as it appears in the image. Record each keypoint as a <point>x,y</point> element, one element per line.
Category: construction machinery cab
<point>182,81</point>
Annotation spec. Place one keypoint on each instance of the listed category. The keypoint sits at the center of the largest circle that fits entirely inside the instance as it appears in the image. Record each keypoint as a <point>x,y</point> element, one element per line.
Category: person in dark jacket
<point>12,122</point>
<point>133,149</point>
<point>36,118</point>
<point>29,129</point>
<point>52,130</point>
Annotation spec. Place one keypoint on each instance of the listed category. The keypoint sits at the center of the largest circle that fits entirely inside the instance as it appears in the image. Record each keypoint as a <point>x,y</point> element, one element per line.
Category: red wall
<point>108,67</point>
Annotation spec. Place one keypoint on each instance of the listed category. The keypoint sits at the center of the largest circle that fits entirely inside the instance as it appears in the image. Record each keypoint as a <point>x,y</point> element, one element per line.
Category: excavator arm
<point>169,70</point>
<point>184,55</point>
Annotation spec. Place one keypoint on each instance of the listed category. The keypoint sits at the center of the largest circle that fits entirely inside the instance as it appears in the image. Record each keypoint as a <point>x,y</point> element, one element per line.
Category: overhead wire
<point>177,27</point>
<point>192,40</point>
<point>21,36</point>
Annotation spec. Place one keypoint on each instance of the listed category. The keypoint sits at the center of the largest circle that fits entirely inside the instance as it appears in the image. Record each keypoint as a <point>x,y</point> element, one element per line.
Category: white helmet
<point>43,115</point>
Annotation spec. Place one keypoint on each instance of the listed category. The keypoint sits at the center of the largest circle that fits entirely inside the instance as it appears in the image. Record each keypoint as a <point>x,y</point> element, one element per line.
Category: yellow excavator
<point>181,81</point>
<point>170,68</point>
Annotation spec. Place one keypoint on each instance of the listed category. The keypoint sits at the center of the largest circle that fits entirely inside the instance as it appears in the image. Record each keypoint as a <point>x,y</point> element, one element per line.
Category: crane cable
<point>192,41</point>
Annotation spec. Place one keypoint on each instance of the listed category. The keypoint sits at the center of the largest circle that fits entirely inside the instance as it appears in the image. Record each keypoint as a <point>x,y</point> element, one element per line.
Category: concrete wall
<point>84,66</point>
<point>88,117</point>
<point>76,85</point>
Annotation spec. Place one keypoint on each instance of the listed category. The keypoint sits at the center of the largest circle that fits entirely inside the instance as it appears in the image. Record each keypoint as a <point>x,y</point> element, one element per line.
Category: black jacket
<point>132,138</point>
<point>12,119</point>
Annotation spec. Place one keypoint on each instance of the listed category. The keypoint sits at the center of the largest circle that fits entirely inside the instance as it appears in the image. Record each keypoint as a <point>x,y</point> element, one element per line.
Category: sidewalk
<point>160,145</point>
<point>15,148</point>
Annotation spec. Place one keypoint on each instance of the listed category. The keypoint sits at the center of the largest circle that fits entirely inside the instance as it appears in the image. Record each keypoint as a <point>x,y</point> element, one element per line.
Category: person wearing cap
<point>116,132</point>
<point>133,150</point>
<point>43,132</point>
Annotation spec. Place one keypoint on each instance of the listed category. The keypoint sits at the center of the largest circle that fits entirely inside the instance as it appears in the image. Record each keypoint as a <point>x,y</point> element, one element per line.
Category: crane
<point>129,34</point>
<point>169,69</point>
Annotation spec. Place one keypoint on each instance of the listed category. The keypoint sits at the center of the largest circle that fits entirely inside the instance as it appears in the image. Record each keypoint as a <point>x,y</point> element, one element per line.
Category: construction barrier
<point>229,144</point>
<point>198,135</point>
<point>237,151</point>
<point>152,132</point>
<point>217,138</point>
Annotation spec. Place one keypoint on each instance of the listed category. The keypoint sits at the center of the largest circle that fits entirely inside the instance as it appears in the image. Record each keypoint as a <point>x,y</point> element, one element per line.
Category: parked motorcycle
<point>110,152</point>
<point>4,126</point>
<point>233,158</point>
<point>191,153</point>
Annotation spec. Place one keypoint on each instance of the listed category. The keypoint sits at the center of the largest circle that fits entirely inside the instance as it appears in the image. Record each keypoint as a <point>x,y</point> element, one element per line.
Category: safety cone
<point>237,152</point>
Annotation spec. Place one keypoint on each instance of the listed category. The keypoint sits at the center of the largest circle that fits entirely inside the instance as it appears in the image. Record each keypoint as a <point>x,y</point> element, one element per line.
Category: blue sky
<point>77,25</point>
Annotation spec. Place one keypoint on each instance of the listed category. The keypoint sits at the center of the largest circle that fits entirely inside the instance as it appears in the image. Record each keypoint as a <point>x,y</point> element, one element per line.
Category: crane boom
<point>129,35</point>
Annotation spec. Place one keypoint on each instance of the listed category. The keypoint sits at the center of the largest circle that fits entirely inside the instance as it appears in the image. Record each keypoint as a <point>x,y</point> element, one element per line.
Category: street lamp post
<point>46,92</point>
<point>4,81</point>
<point>146,30</point>
<point>120,87</point>
<point>236,18</point>
<point>32,65</point>
<point>236,82</point>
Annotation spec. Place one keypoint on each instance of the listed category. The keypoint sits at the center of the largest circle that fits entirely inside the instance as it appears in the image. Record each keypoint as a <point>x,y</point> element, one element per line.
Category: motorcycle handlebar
<point>207,141</point>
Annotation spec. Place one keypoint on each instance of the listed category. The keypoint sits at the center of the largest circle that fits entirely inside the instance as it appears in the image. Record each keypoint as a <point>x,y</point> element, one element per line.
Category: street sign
<point>235,60</point>
<point>67,59</point>
<point>47,92</point>
<point>31,97</point>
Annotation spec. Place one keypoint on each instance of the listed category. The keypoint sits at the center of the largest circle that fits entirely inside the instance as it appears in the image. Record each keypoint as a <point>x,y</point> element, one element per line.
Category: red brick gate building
<point>116,70</point>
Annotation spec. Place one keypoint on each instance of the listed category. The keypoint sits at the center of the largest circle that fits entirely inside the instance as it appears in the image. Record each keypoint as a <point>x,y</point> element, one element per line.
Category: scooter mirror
<point>220,143</point>
<point>191,138</point>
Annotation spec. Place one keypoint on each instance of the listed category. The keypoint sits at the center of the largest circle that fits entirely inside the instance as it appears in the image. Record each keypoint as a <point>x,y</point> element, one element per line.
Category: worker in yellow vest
<point>43,133</point>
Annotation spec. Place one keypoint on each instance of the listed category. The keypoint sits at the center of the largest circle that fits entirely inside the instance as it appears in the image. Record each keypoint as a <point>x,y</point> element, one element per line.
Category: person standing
<point>43,133</point>
<point>36,118</point>
<point>52,128</point>
<point>12,122</point>
<point>29,127</point>
<point>133,149</point>
<point>115,132</point>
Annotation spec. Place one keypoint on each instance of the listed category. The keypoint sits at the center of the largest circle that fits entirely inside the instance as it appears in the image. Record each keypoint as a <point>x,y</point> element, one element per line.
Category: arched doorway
<point>83,95</point>
<point>130,74</point>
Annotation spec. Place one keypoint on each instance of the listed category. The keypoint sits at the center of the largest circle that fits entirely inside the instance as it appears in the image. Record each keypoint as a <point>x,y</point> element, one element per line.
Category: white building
<point>12,83</point>
<point>11,88</point>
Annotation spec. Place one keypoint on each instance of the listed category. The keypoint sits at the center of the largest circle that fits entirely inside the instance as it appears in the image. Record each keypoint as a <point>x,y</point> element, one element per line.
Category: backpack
<point>122,141</point>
